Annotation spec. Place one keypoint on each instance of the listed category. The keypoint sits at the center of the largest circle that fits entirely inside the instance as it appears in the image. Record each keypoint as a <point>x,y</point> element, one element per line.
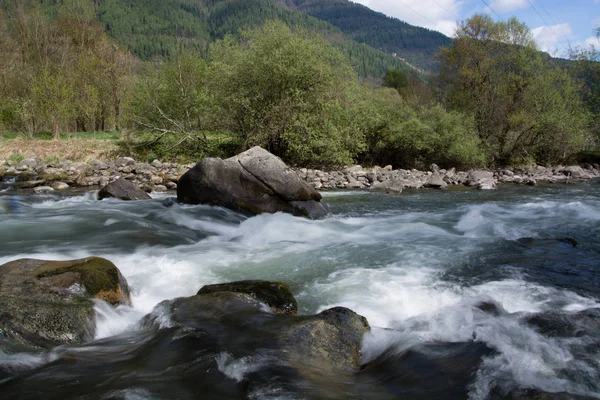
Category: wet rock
<point>252,182</point>
<point>29,184</point>
<point>47,303</point>
<point>556,324</point>
<point>43,189</point>
<point>124,190</point>
<point>59,186</point>
<point>331,339</point>
<point>390,186</point>
<point>277,295</point>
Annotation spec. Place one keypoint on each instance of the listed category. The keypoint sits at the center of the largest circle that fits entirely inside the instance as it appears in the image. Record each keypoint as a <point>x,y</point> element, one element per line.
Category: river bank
<point>39,176</point>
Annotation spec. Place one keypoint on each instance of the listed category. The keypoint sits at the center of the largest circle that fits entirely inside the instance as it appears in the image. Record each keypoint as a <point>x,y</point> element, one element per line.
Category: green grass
<point>63,136</point>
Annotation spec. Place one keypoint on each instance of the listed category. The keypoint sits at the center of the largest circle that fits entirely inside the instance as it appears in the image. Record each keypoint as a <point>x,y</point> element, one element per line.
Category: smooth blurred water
<point>418,266</point>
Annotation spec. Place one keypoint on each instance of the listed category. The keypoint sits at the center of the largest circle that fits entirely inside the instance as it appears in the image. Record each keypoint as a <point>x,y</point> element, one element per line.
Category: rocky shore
<point>158,176</point>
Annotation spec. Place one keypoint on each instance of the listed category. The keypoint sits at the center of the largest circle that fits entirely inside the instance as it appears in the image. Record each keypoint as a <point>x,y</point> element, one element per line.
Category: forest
<point>290,83</point>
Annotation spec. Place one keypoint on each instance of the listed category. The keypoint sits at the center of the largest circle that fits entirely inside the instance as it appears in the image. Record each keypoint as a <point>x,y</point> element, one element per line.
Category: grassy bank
<point>74,147</point>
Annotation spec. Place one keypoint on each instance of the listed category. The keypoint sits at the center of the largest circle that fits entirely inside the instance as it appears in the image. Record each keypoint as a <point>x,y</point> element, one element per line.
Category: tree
<point>170,102</point>
<point>586,70</point>
<point>287,92</point>
<point>494,72</point>
<point>395,79</point>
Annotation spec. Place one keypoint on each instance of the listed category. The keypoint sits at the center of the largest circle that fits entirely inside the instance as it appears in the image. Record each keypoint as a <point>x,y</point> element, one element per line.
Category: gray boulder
<point>390,186</point>
<point>435,181</point>
<point>124,190</point>
<point>48,303</point>
<point>252,182</point>
<point>481,179</point>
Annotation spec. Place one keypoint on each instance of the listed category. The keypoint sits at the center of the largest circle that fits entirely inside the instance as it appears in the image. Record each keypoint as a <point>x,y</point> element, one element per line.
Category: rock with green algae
<point>277,295</point>
<point>49,303</point>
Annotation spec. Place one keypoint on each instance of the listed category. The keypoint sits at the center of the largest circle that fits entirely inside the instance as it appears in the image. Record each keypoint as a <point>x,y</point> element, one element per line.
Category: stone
<point>277,295</point>
<point>43,189</point>
<point>29,163</point>
<point>390,186</point>
<point>435,181</point>
<point>481,179</point>
<point>48,303</point>
<point>59,186</point>
<point>574,171</point>
<point>160,188</point>
<point>124,190</point>
<point>332,339</point>
<point>124,161</point>
<point>252,182</point>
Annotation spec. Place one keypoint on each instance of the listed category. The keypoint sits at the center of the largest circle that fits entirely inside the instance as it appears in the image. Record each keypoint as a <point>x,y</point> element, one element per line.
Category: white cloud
<point>502,6</point>
<point>439,15</point>
<point>552,38</point>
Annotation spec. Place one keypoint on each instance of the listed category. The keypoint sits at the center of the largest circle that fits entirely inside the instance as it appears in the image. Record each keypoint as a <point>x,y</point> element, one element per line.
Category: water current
<point>470,294</point>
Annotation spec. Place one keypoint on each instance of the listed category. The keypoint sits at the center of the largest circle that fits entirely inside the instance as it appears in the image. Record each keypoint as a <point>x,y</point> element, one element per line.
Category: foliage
<point>586,70</point>
<point>403,136</point>
<point>285,92</point>
<point>16,158</point>
<point>395,79</point>
<point>170,102</point>
<point>60,74</point>
<point>523,107</point>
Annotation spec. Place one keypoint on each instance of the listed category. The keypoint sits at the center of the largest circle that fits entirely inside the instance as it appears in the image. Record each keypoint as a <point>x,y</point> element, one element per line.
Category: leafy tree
<point>587,70</point>
<point>170,102</point>
<point>286,92</point>
<point>494,72</point>
<point>395,79</point>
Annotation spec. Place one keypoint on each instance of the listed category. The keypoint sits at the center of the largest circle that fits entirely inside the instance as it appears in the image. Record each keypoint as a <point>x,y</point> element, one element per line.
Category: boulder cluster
<point>157,176</point>
<point>32,173</point>
<point>388,180</point>
<point>44,304</point>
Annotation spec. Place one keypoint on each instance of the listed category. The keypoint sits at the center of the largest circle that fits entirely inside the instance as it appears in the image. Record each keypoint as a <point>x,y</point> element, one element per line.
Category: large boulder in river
<point>252,182</point>
<point>48,303</point>
<point>277,295</point>
<point>124,190</point>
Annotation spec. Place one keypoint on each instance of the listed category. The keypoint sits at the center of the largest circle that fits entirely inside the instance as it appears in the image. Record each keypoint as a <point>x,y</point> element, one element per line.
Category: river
<point>470,294</point>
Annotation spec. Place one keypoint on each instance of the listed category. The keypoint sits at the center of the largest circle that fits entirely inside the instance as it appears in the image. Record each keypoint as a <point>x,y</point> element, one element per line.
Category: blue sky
<point>556,24</point>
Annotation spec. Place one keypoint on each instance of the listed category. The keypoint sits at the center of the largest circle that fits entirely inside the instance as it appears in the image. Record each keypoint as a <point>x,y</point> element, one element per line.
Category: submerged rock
<point>252,182</point>
<point>47,303</point>
<point>124,190</point>
<point>276,295</point>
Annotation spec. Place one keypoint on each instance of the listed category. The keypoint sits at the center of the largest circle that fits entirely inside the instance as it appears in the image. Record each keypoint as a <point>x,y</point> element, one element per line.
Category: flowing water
<point>470,294</point>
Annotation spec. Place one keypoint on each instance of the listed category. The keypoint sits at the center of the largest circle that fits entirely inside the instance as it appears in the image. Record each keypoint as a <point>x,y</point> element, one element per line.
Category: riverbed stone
<point>390,186</point>
<point>277,295</point>
<point>435,181</point>
<point>124,190</point>
<point>252,182</point>
<point>47,303</point>
<point>59,186</point>
<point>124,161</point>
<point>481,179</point>
<point>43,189</point>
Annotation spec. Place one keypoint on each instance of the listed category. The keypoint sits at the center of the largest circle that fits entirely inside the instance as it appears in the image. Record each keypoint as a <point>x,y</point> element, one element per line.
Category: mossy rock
<point>48,303</point>
<point>100,277</point>
<point>277,295</point>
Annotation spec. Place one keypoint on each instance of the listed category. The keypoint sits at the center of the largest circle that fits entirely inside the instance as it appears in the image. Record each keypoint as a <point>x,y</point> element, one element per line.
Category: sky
<point>556,24</point>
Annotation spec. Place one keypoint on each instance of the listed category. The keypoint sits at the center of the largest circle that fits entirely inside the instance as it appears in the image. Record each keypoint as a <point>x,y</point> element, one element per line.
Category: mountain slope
<point>415,44</point>
<point>152,28</point>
